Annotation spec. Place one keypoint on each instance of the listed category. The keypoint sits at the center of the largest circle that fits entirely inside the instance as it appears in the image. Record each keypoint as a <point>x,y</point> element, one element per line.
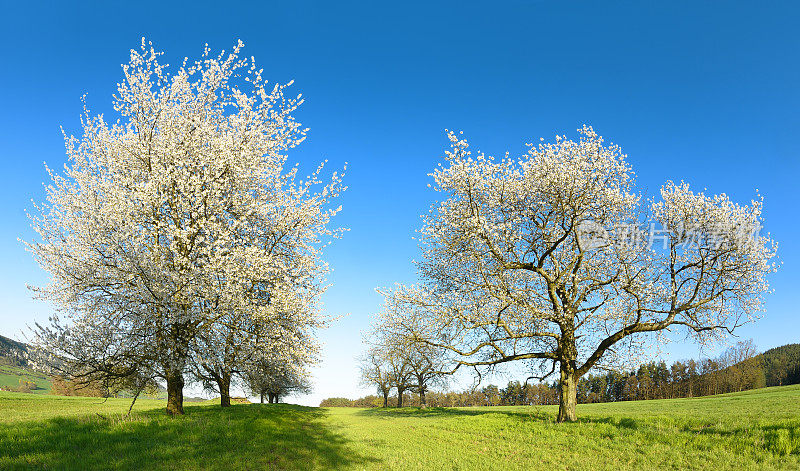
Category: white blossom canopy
<point>553,257</point>
<point>184,211</point>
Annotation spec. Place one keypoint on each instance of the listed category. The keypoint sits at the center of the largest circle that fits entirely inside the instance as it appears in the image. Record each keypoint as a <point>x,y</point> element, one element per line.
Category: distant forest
<point>739,368</point>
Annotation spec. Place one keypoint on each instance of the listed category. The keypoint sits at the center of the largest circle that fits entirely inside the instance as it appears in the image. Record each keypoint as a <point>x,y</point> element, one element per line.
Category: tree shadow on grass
<point>239,437</point>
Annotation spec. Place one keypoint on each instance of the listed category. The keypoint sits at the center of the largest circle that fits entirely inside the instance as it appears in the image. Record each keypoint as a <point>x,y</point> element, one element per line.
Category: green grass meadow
<point>11,375</point>
<point>757,429</point>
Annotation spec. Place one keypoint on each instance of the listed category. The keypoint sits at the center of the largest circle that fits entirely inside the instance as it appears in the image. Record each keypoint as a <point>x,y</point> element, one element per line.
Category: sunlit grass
<point>751,430</point>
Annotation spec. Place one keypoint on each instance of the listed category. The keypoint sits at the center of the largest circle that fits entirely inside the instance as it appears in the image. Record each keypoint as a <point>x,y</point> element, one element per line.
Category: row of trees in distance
<point>739,368</point>
<point>393,362</point>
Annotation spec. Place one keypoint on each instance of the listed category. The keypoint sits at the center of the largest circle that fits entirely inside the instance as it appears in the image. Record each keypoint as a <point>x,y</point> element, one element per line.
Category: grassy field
<point>10,376</point>
<point>751,430</point>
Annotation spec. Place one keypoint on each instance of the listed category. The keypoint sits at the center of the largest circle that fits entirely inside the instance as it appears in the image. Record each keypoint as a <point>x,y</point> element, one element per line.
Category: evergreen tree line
<point>737,369</point>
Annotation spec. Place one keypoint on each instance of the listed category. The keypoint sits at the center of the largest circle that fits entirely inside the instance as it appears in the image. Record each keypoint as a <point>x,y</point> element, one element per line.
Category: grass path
<point>751,430</point>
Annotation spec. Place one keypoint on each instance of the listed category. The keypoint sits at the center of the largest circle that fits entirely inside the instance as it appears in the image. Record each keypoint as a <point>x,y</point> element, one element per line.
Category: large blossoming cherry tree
<point>554,259</point>
<point>171,226</point>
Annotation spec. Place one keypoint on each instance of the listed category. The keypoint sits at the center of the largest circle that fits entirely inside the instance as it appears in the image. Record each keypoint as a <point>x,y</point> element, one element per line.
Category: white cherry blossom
<point>183,214</point>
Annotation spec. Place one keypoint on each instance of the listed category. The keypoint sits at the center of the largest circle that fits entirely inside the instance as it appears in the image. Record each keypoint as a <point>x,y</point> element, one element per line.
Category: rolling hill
<point>14,369</point>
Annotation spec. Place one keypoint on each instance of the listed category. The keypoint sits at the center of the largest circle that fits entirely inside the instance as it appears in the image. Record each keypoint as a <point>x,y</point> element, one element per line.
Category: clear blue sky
<point>701,91</point>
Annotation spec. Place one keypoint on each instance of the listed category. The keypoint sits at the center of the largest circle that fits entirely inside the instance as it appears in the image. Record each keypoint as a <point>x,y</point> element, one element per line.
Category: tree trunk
<point>386,399</point>
<point>175,393</point>
<point>400,397</point>
<point>422,402</point>
<point>224,384</point>
<point>262,397</point>
<point>568,394</point>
